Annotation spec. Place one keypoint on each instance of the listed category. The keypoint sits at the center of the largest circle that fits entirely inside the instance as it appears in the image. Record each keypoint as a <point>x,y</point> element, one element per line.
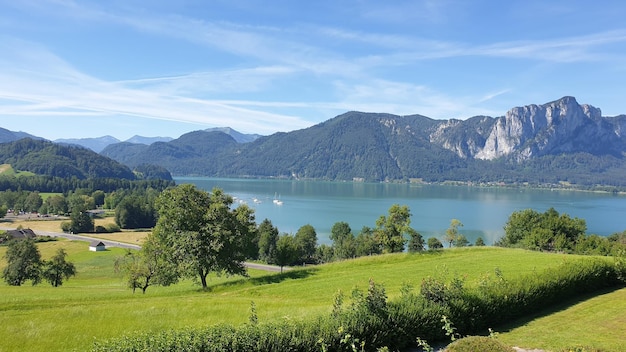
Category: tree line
<point>133,207</point>
<point>554,232</point>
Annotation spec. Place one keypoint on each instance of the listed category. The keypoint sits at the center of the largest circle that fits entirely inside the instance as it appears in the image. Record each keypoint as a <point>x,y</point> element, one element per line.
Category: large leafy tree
<point>452,233</point>
<point>152,265</point>
<point>287,251</point>
<point>306,240</point>
<point>135,212</point>
<point>390,229</point>
<point>23,263</point>
<point>366,243</point>
<point>434,243</point>
<point>80,221</point>
<point>548,231</point>
<point>344,244</point>
<point>268,237</point>
<point>203,232</point>
<point>58,269</point>
<point>416,242</point>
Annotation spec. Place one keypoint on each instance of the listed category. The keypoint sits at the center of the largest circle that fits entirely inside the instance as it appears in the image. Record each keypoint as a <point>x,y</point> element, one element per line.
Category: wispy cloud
<point>37,83</point>
<point>570,49</point>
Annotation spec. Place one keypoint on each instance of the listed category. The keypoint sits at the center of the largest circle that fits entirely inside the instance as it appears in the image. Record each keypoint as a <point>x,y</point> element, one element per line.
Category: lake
<point>483,211</point>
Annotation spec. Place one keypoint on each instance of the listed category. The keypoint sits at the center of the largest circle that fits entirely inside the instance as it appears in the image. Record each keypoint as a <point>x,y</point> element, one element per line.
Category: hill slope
<point>47,158</point>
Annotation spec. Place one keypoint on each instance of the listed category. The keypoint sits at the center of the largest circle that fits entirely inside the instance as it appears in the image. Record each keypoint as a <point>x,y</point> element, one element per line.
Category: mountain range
<point>557,142</point>
<point>560,141</point>
<point>99,143</point>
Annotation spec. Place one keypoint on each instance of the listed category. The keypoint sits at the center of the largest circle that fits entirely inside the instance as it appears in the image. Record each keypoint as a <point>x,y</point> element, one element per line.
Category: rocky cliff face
<point>561,126</point>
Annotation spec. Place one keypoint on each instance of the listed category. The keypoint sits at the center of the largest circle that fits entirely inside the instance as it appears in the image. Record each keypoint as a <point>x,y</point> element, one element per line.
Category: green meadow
<point>96,305</point>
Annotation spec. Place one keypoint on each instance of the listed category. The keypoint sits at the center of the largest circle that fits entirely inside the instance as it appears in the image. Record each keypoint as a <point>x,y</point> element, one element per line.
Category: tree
<point>268,236</point>
<point>434,243</point>
<point>548,231</point>
<point>518,226</point>
<point>453,231</point>
<point>33,202</point>
<point>324,254</point>
<point>203,232</point>
<point>81,221</point>
<point>461,241</point>
<point>366,243</point>
<point>152,265</point>
<point>3,211</point>
<point>416,242</point>
<point>344,244</point>
<point>306,240</point>
<point>23,263</point>
<point>135,212</point>
<point>56,204</point>
<point>98,198</point>
<point>479,242</point>
<point>57,269</point>
<point>390,230</point>
<point>287,251</point>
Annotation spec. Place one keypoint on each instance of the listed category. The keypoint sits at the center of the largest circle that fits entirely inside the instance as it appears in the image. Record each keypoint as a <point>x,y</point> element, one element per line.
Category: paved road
<point>108,243</point>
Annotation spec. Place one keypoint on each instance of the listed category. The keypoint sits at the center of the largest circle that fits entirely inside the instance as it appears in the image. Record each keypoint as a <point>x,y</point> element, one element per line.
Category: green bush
<point>478,343</point>
<point>111,228</point>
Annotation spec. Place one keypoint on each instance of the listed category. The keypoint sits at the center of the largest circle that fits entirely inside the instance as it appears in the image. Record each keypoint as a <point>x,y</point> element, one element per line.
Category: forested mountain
<point>560,141</point>
<point>10,136</point>
<point>194,153</point>
<point>100,143</point>
<point>47,158</point>
<point>95,144</point>
<point>238,136</point>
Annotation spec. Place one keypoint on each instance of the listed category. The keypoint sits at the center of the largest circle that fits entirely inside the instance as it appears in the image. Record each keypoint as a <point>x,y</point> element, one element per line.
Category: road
<point>257,266</point>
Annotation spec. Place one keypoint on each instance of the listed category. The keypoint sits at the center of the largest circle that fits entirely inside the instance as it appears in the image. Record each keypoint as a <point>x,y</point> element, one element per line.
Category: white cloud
<point>37,83</point>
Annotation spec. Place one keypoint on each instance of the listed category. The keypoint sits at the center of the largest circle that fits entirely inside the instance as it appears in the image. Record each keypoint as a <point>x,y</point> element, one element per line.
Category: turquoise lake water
<point>483,211</point>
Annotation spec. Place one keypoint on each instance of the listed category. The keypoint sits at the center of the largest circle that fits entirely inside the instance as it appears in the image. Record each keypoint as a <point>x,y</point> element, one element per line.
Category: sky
<point>78,69</point>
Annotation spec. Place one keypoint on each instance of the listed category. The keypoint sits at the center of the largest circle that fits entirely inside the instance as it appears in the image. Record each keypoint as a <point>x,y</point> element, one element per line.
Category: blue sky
<point>72,69</point>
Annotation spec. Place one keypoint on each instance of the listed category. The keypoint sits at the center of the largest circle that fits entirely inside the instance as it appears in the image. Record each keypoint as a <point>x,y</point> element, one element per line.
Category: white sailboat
<point>277,200</point>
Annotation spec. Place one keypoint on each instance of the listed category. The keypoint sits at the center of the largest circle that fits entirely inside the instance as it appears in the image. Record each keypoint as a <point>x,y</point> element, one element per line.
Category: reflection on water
<point>483,211</point>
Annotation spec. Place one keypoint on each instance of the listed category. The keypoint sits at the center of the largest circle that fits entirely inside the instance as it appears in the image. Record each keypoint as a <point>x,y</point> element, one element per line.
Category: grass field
<point>7,169</point>
<point>598,321</point>
<point>54,225</point>
<point>96,304</point>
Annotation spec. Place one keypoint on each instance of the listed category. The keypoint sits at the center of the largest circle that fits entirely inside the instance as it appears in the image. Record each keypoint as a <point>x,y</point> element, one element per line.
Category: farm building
<point>96,246</point>
<point>18,234</point>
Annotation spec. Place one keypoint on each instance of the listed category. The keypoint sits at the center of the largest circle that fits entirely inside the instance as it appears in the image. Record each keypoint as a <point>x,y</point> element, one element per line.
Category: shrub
<point>111,228</point>
<point>478,343</point>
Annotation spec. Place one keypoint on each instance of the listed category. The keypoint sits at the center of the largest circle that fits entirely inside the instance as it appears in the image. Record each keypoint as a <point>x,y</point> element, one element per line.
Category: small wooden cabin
<point>97,246</point>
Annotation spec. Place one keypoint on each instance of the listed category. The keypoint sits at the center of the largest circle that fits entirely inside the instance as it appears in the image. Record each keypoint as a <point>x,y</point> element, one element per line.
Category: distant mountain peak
<point>136,139</point>
<point>237,136</point>
<point>96,144</point>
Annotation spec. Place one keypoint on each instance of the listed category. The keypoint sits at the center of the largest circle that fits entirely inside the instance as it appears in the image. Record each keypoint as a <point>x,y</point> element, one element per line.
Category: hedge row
<point>371,321</point>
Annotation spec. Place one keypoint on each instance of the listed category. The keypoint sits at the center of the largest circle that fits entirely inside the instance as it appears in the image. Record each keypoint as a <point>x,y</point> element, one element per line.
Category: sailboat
<point>277,201</point>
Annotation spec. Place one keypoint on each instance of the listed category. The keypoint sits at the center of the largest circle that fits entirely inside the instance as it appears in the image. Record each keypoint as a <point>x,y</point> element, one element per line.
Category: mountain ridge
<point>559,141</point>
<point>98,144</point>
<point>383,147</point>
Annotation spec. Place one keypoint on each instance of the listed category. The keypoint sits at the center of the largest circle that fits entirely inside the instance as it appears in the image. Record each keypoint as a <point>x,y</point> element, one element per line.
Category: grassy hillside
<point>96,305</point>
<point>598,321</point>
<point>7,170</point>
